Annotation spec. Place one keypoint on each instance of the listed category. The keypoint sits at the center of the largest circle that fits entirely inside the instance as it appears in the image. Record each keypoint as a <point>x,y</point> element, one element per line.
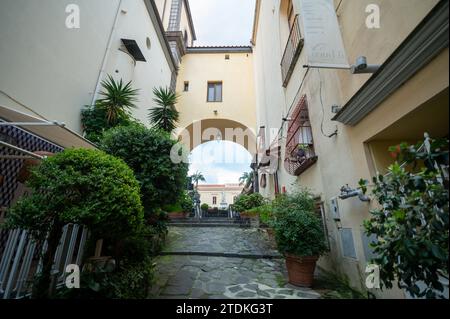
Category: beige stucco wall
<point>343,159</point>
<point>54,70</point>
<point>185,26</point>
<point>238,90</point>
<point>164,12</point>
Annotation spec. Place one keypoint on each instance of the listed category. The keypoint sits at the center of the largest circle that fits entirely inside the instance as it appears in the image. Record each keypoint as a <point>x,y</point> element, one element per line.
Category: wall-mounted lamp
<point>361,66</point>
<point>216,112</point>
<point>348,192</point>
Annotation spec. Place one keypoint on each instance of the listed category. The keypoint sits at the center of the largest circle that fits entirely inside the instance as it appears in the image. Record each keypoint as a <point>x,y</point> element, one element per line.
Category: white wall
<point>54,70</point>
<point>156,72</point>
<point>46,66</point>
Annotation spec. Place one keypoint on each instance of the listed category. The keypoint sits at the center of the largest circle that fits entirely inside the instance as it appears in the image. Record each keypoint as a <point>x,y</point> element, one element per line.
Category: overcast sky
<point>223,22</point>
<point>221,162</point>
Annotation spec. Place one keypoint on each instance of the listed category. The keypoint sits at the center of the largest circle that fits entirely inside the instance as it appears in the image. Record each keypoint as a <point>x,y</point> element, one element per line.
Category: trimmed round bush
<point>147,152</point>
<point>85,187</point>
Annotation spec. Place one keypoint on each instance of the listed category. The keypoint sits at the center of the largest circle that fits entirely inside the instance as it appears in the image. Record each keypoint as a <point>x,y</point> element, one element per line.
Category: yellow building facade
<point>219,196</point>
<point>217,97</point>
<point>347,121</point>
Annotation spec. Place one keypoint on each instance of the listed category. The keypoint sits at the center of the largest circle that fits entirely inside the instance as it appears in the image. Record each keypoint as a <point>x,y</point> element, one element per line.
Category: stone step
<point>205,222</point>
<point>274,255</point>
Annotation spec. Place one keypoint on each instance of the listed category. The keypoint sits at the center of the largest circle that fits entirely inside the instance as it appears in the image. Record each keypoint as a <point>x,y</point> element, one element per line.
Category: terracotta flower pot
<point>178,215</point>
<point>301,270</point>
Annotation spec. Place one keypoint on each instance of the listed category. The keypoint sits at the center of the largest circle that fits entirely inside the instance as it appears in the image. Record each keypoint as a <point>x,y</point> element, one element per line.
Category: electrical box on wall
<point>335,208</point>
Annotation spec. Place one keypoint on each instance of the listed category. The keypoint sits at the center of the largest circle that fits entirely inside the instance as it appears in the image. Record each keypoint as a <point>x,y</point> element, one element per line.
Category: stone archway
<point>207,130</point>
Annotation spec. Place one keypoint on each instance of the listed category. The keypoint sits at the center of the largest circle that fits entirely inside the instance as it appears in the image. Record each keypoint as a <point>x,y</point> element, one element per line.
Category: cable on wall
<point>323,110</point>
<point>292,105</point>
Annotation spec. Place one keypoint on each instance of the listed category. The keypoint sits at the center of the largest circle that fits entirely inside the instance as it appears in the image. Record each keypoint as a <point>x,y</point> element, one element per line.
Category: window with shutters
<point>300,153</point>
<point>214,92</point>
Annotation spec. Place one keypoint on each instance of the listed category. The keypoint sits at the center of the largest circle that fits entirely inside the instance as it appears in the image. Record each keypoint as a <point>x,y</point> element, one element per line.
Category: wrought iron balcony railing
<point>300,152</point>
<point>292,51</point>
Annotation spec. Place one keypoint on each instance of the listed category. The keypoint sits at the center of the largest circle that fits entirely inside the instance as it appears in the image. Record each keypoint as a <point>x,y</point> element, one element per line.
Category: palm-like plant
<point>118,98</point>
<point>198,177</point>
<point>165,116</point>
<point>246,179</point>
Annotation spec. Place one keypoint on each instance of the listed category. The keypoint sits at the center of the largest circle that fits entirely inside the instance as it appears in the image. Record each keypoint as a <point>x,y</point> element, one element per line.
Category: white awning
<point>52,132</point>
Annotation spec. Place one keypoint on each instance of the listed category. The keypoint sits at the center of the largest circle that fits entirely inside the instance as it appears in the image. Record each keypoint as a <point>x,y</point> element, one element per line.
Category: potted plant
<point>246,206</point>
<point>302,152</point>
<point>204,207</point>
<point>299,235</point>
<point>175,211</point>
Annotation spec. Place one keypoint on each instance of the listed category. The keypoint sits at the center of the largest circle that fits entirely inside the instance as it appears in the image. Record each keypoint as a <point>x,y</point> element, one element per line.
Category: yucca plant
<point>118,99</point>
<point>165,116</point>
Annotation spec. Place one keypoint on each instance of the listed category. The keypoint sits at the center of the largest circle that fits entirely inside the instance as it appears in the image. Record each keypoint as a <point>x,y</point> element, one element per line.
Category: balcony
<point>292,51</point>
<point>300,159</point>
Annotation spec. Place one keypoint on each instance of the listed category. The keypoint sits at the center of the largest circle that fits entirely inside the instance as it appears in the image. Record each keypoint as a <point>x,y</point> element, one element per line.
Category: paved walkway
<point>221,263</point>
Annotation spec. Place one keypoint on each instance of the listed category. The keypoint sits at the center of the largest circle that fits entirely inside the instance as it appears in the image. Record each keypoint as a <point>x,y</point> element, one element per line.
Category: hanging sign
<point>323,40</point>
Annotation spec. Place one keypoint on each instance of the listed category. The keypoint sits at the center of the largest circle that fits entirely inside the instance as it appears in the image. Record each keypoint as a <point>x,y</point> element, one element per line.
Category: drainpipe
<point>106,56</point>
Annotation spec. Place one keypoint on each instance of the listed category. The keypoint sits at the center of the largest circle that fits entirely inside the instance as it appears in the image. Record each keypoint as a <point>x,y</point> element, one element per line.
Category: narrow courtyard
<point>224,149</point>
<point>227,262</point>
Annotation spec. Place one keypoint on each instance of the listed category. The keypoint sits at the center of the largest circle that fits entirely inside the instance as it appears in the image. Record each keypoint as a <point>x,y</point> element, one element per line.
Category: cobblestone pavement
<point>210,277</point>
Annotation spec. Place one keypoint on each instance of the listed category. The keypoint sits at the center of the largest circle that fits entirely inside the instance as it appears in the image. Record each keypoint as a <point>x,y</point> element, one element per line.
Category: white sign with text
<point>323,40</point>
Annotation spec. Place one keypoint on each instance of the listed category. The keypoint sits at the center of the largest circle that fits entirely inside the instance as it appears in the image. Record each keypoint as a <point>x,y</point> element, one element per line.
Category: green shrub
<point>173,208</point>
<point>248,202</point>
<point>125,281</point>
<point>204,207</point>
<point>187,203</point>
<point>298,230</point>
<point>95,122</point>
<point>264,212</point>
<point>85,187</point>
<point>147,152</point>
<point>412,221</point>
